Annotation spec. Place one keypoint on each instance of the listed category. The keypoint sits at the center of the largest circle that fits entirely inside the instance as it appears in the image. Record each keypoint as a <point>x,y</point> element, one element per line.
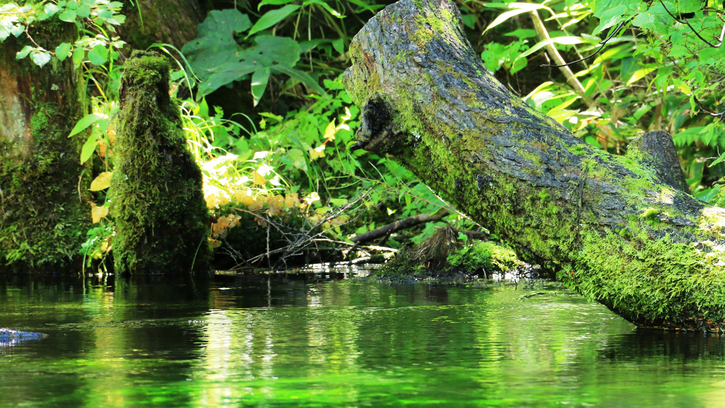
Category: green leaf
<point>273,3</point>
<point>79,54</point>
<point>639,74</point>
<point>259,83</point>
<point>641,111</point>
<point>567,40</point>
<point>719,160</point>
<point>83,11</point>
<point>62,51</point>
<point>272,17</point>
<point>50,9</point>
<point>269,51</point>
<point>86,121</point>
<point>40,58</point>
<point>215,44</point>
<point>98,55</point>
<point>469,20</point>
<point>223,24</point>
<point>326,6</point>
<point>68,16</point>
<point>17,29</point>
<point>339,46</point>
<point>518,8</point>
<point>88,148</point>
<point>24,52</point>
<point>300,76</point>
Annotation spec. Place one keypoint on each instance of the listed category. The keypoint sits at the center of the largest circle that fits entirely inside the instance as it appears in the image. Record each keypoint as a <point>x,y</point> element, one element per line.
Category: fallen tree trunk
<point>609,225</point>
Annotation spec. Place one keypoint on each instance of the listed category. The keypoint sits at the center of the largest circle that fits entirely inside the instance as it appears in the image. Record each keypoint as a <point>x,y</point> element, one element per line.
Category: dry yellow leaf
<point>221,227</point>
<point>258,179</point>
<point>98,212</point>
<point>102,182</point>
<point>276,203</point>
<point>291,199</point>
<point>257,203</point>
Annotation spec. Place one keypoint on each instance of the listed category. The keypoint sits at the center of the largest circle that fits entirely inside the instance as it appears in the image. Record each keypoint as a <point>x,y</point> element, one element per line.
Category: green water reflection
<point>288,343</point>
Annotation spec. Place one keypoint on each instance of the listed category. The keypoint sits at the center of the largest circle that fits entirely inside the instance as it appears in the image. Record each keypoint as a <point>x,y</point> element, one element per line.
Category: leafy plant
<point>218,59</point>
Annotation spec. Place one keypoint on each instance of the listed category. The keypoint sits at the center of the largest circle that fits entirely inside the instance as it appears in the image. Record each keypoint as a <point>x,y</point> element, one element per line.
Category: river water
<point>283,342</point>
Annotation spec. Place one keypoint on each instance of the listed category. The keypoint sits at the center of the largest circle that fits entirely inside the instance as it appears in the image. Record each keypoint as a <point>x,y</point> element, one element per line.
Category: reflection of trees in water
<point>647,344</point>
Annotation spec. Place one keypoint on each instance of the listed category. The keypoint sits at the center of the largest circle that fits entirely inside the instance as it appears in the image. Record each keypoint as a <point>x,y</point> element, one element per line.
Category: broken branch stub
<point>607,224</point>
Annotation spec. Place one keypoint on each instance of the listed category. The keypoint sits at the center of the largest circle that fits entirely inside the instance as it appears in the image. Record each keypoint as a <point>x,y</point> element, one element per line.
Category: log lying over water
<point>609,225</point>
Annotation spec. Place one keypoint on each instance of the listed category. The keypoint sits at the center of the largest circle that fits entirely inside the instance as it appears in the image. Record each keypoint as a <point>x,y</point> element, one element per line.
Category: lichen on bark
<point>156,191</point>
<point>608,224</point>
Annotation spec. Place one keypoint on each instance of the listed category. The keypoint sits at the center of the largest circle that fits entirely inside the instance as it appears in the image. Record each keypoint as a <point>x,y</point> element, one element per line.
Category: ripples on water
<point>281,342</point>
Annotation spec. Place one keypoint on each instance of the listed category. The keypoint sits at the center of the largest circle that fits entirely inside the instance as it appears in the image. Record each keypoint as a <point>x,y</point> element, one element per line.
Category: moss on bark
<point>612,229</point>
<point>43,187</point>
<point>156,199</point>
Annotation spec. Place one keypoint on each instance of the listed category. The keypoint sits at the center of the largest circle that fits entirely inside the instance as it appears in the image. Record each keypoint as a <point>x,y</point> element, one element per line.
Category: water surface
<point>339,343</point>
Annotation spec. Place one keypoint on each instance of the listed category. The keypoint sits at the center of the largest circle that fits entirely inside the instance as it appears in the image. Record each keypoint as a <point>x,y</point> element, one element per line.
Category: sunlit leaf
<point>330,131</point>
<point>567,40</point>
<point>24,52</point>
<point>40,58</point>
<point>86,121</point>
<point>518,8</point>
<point>50,9</point>
<point>258,179</point>
<point>68,16</point>
<point>62,51</point>
<point>639,74</point>
<point>98,212</point>
<point>102,181</point>
<point>88,148</point>
<point>98,55</point>
<point>316,153</point>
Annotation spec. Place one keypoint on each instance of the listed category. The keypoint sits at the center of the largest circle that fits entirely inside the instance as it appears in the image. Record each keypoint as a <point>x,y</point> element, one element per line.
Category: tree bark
<point>610,227</point>
<point>43,187</point>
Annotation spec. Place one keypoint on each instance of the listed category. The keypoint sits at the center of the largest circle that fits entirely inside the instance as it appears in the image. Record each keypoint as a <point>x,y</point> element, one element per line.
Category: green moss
<point>650,213</point>
<point>652,282</point>
<point>43,187</point>
<point>41,208</point>
<point>488,255</point>
<point>157,200</point>
<point>633,267</point>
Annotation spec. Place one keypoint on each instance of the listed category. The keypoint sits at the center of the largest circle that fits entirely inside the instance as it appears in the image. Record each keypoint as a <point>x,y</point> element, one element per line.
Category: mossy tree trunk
<point>43,187</point>
<point>608,224</point>
<point>162,222</point>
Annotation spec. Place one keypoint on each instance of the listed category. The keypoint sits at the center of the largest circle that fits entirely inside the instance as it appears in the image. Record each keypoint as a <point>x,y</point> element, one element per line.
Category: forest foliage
<point>608,70</point>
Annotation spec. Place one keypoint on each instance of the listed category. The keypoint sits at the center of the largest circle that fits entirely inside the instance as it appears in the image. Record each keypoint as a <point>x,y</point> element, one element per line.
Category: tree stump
<point>157,201</point>
<point>609,226</point>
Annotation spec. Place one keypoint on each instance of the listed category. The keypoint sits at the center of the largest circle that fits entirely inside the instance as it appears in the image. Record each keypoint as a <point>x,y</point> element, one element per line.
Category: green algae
<point>156,190</point>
